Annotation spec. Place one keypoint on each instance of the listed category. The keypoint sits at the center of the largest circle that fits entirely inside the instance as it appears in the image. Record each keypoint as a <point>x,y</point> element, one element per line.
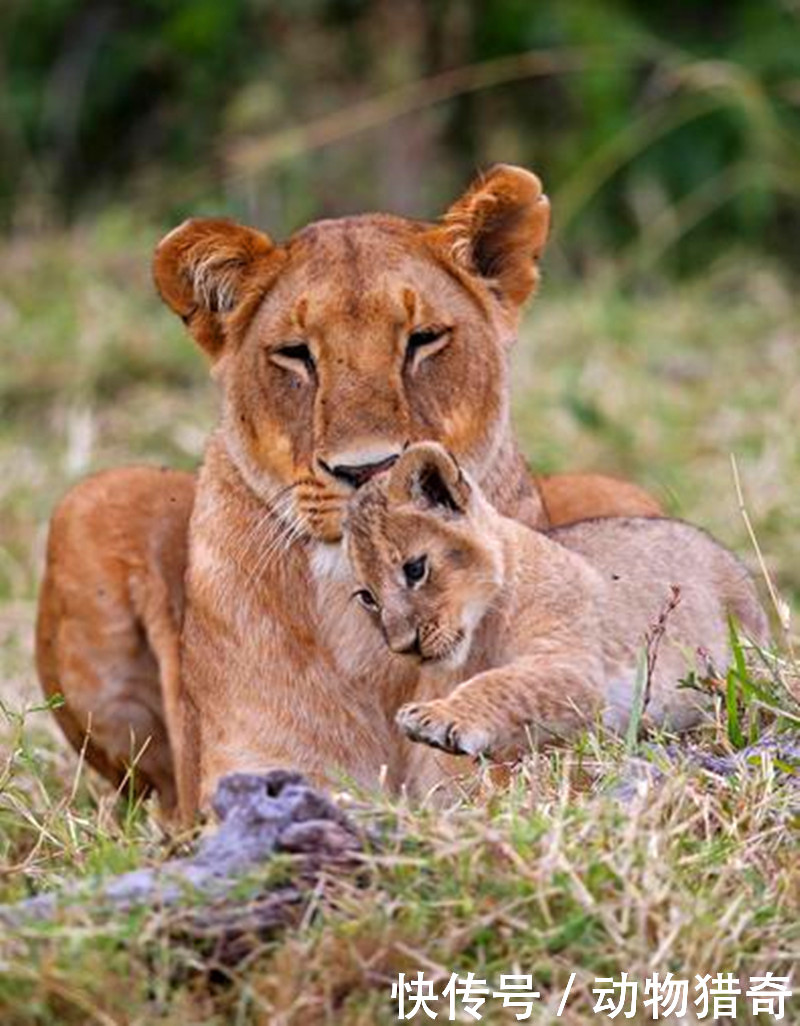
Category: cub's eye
<point>296,357</point>
<point>367,599</point>
<point>424,342</point>
<point>415,570</point>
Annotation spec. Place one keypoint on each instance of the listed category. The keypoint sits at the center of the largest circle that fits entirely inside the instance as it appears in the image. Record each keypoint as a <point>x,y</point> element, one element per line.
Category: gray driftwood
<point>259,816</point>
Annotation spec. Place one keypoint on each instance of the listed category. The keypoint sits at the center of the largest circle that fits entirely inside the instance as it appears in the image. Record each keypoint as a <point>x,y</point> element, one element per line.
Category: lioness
<point>333,351</point>
<point>524,634</point>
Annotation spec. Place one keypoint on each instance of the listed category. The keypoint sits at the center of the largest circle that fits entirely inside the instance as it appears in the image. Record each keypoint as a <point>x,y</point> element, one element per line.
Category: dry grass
<point>698,875</point>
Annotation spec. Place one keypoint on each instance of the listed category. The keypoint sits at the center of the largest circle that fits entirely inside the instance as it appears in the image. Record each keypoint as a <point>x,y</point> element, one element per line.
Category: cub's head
<point>425,565</point>
<point>356,337</point>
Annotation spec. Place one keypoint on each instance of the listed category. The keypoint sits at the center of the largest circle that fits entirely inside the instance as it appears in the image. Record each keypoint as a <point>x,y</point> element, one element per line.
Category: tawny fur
<point>524,636</point>
<point>110,610</point>
<point>274,657</point>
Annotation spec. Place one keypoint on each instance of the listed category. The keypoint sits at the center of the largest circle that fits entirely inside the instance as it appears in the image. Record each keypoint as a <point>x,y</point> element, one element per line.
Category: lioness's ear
<point>427,475</point>
<point>498,230</point>
<point>202,269</point>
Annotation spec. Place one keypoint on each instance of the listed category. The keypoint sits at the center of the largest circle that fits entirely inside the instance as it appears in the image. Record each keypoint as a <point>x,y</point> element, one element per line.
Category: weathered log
<point>260,816</point>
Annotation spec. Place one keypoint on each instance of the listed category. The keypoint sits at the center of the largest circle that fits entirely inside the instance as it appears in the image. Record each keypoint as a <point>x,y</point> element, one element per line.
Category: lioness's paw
<point>441,726</point>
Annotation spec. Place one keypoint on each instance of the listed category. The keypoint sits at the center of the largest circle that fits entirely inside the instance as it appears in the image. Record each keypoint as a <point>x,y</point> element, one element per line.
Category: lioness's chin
<point>328,530</point>
<point>321,515</point>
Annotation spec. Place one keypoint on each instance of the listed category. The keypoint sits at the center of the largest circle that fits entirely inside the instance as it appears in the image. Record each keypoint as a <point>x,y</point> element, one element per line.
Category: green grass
<point>662,385</point>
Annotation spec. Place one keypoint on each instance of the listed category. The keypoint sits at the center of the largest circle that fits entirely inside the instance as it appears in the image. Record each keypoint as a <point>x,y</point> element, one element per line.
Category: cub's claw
<point>440,726</point>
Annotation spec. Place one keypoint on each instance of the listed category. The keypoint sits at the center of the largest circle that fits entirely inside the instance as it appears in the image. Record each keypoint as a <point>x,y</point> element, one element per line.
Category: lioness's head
<point>359,336</point>
<point>425,571</point>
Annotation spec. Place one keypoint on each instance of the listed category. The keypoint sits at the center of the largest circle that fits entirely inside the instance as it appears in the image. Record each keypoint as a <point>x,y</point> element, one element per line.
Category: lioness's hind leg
<point>108,624</point>
<point>111,698</point>
<point>145,760</point>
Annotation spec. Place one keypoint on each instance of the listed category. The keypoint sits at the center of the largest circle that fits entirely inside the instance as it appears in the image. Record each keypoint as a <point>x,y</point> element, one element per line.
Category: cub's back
<point>640,561</point>
<point>646,555</point>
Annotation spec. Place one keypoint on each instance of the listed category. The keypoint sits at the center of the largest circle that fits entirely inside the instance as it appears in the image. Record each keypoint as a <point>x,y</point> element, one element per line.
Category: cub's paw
<point>442,726</point>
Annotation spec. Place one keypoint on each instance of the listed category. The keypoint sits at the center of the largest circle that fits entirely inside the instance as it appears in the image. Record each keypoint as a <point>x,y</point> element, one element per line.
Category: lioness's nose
<point>355,475</point>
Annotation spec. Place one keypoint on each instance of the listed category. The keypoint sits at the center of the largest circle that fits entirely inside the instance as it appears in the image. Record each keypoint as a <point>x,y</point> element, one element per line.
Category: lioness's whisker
<point>296,530</point>
<point>266,533</point>
<point>291,529</point>
<point>270,518</point>
<point>272,543</point>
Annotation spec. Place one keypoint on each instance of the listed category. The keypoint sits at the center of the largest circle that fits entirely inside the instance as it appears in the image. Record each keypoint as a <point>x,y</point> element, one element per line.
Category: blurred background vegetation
<point>668,130</point>
<point>666,335</point>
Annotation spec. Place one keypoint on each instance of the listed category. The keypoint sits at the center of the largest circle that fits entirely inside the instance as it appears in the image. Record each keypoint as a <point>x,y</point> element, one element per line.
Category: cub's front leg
<point>532,700</point>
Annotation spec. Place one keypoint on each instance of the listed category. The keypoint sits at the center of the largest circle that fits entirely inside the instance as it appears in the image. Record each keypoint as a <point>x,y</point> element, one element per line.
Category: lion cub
<point>524,636</point>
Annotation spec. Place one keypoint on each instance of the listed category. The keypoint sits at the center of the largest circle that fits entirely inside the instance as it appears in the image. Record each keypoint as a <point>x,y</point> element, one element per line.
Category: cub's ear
<point>427,475</point>
<point>498,230</point>
<point>202,270</point>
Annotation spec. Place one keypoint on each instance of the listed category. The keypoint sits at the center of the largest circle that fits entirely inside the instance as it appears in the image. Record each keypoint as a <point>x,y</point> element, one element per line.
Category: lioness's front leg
<point>532,699</point>
<point>252,703</point>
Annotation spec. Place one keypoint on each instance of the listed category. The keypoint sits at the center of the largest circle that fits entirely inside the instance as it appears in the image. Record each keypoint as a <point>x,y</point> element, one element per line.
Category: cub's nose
<point>357,474</point>
<point>406,644</point>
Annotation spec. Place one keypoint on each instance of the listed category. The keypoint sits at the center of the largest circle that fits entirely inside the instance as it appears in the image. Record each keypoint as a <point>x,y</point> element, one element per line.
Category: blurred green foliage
<point>665,132</point>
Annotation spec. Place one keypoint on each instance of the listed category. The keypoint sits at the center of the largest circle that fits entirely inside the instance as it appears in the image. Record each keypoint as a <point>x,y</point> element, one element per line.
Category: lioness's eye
<point>296,357</point>
<point>367,599</point>
<point>424,342</point>
<point>415,570</point>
